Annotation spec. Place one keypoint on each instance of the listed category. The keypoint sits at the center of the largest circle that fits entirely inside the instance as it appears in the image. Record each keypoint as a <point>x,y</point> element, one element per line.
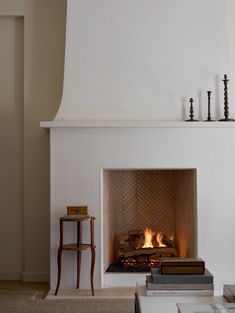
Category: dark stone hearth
<point>120,268</point>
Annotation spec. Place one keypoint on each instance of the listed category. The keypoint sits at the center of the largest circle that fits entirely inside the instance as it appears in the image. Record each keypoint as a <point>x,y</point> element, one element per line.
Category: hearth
<point>149,215</point>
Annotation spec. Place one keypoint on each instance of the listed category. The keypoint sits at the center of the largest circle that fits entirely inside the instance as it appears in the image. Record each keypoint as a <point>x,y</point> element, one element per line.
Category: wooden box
<point>229,293</point>
<point>77,210</point>
<point>182,266</point>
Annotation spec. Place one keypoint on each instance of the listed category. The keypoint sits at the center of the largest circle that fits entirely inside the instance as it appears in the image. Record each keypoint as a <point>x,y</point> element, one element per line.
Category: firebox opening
<point>148,215</point>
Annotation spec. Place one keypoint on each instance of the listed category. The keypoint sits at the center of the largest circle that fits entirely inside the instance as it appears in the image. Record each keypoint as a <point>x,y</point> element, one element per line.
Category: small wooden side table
<point>78,247</point>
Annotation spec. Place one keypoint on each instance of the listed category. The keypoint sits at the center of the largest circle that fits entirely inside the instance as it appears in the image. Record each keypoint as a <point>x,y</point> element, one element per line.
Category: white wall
<point>26,234</point>
<point>134,59</point>
<point>43,71</point>
<point>11,138</point>
<point>231,20</point>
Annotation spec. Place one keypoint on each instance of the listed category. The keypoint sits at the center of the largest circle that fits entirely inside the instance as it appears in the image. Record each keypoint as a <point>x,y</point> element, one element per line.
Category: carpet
<point>27,303</point>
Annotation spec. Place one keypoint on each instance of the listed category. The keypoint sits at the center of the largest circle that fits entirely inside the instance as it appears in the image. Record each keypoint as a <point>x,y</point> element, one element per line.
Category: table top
<point>78,247</point>
<point>76,218</point>
<point>167,304</point>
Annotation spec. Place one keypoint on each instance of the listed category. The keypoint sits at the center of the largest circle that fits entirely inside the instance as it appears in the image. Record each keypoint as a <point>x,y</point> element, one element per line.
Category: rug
<point>27,303</point>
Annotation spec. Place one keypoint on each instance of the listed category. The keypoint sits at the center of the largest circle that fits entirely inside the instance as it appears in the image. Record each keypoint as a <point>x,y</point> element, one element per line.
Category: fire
<point>148,236</point>
<point>151,237</point>
<point>159,237</point>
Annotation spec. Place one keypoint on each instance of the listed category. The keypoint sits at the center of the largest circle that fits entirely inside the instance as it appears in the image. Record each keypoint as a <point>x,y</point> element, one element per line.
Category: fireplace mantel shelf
<point>133,124</point>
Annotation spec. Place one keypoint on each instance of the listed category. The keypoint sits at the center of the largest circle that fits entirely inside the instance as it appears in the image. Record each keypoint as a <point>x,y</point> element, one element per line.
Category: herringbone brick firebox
<point>162,200</point>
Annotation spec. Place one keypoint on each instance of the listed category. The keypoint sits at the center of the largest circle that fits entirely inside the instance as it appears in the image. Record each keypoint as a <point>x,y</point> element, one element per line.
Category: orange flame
<point>172,237</point>
<point>159,238</point>
<point>148,235</point>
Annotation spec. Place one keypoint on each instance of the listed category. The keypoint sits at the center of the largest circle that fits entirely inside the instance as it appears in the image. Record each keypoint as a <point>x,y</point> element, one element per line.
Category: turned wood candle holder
<point>226,105</point>
<point>209,119</point>
<point>191,112</point>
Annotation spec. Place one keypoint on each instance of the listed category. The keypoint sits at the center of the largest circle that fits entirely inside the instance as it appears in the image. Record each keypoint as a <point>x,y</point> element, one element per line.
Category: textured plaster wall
<point>43,59</point>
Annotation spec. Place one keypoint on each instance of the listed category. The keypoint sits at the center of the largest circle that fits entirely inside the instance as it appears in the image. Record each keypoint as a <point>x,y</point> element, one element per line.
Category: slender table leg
<point>59,255</point>
<point>59,269</point>
<point>92,255</point>
<point>92,269</point>
<point>79,252</point>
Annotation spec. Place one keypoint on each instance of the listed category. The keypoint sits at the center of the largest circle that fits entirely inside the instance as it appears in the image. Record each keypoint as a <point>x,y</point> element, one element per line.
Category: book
<point>77,210</point>
<point>76,216</point>
<point>156,286</point>
<point>197,293</point>
<point>182,266</point>
<point>229,293</point>
<point>157,277</point>
<point>205,307</point>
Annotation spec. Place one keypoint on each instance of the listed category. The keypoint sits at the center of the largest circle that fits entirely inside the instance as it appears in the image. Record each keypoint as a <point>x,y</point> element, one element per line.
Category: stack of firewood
<point>131,246</point>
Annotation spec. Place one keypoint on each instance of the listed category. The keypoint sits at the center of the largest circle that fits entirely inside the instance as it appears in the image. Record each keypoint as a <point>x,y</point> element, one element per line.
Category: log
<point>158,252</point>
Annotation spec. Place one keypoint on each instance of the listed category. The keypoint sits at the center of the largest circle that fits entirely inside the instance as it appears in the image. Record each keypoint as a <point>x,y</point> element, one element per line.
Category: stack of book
<point>180,277</point>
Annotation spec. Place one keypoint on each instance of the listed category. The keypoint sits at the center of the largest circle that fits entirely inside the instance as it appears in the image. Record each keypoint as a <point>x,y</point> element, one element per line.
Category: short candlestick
<point>191,111</point>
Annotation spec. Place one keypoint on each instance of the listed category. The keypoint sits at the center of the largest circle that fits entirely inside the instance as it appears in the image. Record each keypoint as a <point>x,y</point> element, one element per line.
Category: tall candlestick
<point>209,106</point>
<point>209,119</point>
<point>226,106</point>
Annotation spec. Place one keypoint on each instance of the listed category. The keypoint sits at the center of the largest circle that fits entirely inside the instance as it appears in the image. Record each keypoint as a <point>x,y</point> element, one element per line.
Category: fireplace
<point>85,160</point>
<point>125,99</point>
<point>148,214</point>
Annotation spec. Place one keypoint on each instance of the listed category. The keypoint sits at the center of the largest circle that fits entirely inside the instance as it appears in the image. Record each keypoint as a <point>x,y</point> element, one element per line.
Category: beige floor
<point>16,297</point>
<point>38,290</point>
<point>41,290</point>
<point>104,293</point>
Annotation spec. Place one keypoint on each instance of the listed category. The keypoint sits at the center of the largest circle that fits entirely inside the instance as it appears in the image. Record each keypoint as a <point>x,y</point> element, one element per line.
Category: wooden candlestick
<point>209,107</point>
<point>226,105</point>
<point>191,111</point>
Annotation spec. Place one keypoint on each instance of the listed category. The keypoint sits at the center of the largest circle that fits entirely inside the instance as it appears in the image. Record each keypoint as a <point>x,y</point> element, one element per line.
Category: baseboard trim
<point>25,277</point>
<point>17,276</point>
<point>35,277</point>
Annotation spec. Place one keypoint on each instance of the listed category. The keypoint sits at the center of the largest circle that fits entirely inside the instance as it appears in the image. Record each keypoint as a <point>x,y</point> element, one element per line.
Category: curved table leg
<point>79,253</point>
<point>92,269</point>
<point>59,270</point>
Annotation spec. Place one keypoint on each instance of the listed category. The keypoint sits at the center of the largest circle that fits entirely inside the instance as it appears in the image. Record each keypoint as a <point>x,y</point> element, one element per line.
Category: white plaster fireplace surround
<point>79,155</point>
<point>131,65</point>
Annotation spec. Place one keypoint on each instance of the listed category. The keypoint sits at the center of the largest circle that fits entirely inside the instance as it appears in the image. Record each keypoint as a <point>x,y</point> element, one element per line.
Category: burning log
<point>157,252</point>
<point>149,246</point>
<point>165,241</point>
